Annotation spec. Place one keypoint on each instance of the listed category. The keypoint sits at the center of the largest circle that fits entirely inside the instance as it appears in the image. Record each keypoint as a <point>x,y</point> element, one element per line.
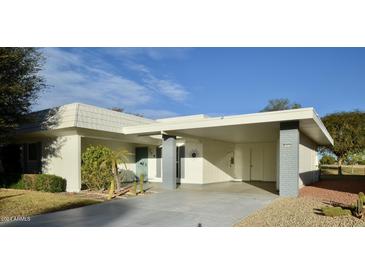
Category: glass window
<point>33,152</point>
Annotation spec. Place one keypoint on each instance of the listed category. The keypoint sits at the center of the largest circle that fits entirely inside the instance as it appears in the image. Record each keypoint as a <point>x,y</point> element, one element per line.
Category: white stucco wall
<point>277,146</point>
<point>193,166</point>
<point>242,162</point>
<point>308,161</point>
<point>152,165</point>
<point>269,162</point>
<point>217,165</point>
<point>62,156</point>
<point>213,161</point>
<point>265,161</point>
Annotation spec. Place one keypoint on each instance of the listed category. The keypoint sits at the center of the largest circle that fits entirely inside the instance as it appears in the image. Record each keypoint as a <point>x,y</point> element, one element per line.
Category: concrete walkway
<point>217,205</point>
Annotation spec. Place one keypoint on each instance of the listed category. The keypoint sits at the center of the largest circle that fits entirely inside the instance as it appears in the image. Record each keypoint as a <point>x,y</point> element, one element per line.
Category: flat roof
<point>310,123</point>
<point>234,128</point>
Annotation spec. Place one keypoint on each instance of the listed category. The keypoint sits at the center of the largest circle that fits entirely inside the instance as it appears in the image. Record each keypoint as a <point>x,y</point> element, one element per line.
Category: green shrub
<point>335,211</point>
<point>50,183</point>
<point>39,182</point>
<point>94,175</point>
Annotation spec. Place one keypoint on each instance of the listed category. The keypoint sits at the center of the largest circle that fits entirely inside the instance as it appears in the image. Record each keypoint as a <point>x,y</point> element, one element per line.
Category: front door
<point>256,163</point>
<point>142,162</point>
<point>180,167</point>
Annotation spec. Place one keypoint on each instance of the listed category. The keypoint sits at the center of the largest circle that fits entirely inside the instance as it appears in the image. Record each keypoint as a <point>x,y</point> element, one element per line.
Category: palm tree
<point>116,158</point>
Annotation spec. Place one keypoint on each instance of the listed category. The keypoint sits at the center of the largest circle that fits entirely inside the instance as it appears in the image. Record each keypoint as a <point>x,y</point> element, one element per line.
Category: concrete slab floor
<point>214,205</point>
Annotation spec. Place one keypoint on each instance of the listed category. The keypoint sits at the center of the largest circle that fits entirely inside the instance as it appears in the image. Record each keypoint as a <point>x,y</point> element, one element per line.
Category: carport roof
<point>309,123</point>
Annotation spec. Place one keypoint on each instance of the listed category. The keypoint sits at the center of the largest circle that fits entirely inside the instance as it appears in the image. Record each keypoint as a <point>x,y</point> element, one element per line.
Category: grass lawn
<point>23,203</point>
<point>346,170</point>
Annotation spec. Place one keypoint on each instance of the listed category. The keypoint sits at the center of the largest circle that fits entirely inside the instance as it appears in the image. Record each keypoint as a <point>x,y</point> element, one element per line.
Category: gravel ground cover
<point>304,211</point>
<point>296,212</point>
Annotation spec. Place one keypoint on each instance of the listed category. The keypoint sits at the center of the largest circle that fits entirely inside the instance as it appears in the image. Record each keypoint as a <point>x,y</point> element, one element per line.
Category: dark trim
<point>165,137</point>
<point>289,125</point>
<point>158,162</point>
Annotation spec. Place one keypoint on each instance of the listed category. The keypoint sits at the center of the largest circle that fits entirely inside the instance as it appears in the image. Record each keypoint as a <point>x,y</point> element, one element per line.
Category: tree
<point>348,131</point>
<point>280,104</point>
<point>355,158</point>
<point>327,160</point>
<point>20,85</point>
<point>118,109</point>
<point>112,161</point>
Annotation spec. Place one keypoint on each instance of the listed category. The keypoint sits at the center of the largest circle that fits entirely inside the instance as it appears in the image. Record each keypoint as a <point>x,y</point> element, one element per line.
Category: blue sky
<point>163,82</point>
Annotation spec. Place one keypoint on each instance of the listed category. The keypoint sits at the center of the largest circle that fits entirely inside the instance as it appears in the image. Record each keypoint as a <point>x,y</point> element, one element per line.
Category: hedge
<point>38,182</point>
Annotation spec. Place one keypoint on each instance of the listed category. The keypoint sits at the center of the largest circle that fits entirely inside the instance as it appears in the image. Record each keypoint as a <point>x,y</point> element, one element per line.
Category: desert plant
<point>335,211</point>
<point>135,187</point>
<point>356,209</point>
<point>111,189</point>
<point>141,180</point>
<point>112,161</point>
<point>359,208</point>
<point>362,197</point>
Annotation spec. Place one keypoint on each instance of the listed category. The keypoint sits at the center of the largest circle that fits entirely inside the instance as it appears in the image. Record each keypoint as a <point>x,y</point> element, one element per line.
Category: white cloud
<point>165,87</point>
<point>78,77</point>
<point>152,53</point>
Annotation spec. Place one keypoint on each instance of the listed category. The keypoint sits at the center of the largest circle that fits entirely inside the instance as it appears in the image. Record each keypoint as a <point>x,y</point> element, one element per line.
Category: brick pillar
<point>289,159</point>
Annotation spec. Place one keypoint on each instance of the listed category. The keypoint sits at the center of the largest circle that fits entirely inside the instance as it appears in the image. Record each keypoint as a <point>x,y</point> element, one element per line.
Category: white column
<point>169,161</point>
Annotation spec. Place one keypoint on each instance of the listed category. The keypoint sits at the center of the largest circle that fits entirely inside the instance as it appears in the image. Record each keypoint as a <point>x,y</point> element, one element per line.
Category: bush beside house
<point>38,182</point>
<point>95,175</point>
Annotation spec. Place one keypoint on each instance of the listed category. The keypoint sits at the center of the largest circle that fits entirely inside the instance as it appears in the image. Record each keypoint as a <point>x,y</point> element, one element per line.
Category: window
<point>33,152</point>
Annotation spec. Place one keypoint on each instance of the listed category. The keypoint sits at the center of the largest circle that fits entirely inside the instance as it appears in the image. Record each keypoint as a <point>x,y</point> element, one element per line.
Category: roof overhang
<point>309,123</point>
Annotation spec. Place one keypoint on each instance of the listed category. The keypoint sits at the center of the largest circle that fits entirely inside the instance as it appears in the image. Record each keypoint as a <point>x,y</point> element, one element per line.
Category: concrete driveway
<point>216,205</point>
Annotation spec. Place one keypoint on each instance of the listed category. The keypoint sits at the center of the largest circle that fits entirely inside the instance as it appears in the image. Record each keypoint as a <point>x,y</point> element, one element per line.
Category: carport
<point>278,147</point>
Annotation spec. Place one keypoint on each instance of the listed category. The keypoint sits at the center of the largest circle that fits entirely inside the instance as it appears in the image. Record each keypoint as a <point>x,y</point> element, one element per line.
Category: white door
<point>256,163</point>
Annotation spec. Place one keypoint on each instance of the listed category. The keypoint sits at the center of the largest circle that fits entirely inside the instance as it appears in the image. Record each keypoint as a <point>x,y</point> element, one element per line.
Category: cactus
<point>362,197</point>
<point>356,209</point>
<point>141,179</point>
<point>111,189</point>
<point>335,211</point>
<point>135,187</point>
<point>359,208</point>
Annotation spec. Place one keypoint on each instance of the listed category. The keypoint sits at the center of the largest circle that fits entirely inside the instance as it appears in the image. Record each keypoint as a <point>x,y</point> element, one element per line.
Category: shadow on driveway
<point>217,205</point>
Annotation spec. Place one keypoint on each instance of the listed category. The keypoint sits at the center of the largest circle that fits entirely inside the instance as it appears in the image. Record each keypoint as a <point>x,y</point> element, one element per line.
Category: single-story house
<point>278,147</point>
